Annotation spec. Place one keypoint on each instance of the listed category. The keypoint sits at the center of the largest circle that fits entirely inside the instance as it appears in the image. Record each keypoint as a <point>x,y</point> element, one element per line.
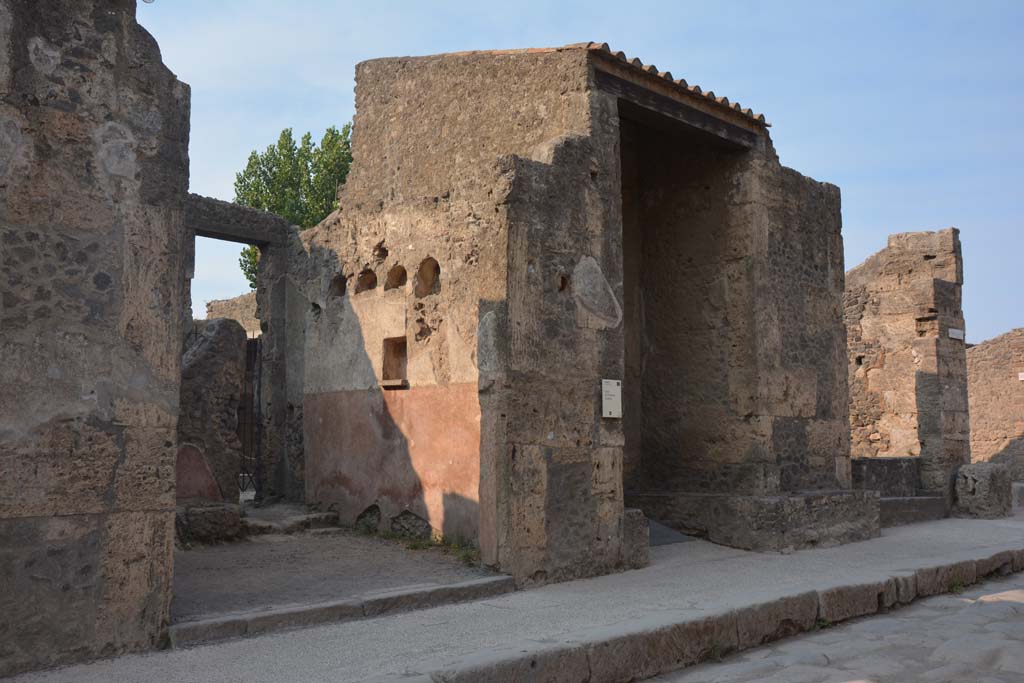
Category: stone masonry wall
<point>907,361</point>
<point>241,308</point>
<point>209,449</point>
<point>494,258</point>
<point>995,376</point>
<point>93,172</point>
<point>413,267</point>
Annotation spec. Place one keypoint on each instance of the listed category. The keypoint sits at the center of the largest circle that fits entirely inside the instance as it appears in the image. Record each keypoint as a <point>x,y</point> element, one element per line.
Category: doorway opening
<point>219,413</point>
<point>678,186</point>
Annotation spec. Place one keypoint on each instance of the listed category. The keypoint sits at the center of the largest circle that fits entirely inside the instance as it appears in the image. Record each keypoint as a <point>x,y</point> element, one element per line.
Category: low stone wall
<point>995,375</point>
<point>768,523</point>
<point>891,477</point>
<point>984,490</point>
<point>242,309</point>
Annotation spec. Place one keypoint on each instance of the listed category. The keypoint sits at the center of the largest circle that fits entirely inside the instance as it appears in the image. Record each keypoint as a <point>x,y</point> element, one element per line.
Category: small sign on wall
<point>1020,376</point>
<point>611,398</point>
<point>956,333</point>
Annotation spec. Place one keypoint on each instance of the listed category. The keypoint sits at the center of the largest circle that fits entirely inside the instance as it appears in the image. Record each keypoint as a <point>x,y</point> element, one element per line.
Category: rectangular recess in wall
<point>395,364</point>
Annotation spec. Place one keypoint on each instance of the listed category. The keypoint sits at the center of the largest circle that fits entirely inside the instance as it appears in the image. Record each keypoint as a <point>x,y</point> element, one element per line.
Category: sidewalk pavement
<point>696,601</point>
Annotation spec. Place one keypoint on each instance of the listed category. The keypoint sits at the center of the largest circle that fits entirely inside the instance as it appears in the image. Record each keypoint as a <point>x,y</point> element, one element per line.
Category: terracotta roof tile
<point>681,84</point>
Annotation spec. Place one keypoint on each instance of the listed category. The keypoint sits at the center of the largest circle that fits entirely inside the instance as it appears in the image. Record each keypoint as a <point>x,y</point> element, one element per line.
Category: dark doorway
<point>678,187</point>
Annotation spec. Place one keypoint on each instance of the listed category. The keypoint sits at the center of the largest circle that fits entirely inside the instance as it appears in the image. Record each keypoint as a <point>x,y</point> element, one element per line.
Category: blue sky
<point>913,108</point>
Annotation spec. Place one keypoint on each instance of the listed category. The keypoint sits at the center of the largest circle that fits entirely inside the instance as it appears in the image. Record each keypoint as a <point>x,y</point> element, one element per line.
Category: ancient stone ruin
<point>97,235</point>
<point>94,171</point>
<point>995,372</point>
<point>596,297</point>
<point>609,222</point>
<point>241,308</point>
<point>908,373</point>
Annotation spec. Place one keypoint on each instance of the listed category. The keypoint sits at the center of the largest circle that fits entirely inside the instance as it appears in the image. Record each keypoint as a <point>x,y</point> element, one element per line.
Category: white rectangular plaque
<point>611,398</point>
<point>955,333</point>
<point>1020,376</point>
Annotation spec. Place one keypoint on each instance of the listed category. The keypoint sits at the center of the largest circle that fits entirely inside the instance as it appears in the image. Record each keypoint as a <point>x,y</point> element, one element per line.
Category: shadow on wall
<point>382,453</point>
<point>1012,455</point>
<point>941,452</point>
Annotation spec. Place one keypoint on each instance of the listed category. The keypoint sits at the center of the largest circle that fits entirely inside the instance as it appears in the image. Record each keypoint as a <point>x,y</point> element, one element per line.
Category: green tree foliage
<point>298,182</point>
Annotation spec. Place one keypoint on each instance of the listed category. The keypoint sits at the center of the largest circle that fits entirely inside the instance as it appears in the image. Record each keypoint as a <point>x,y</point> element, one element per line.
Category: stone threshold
<point>647,647</point>
<point>255,622</point>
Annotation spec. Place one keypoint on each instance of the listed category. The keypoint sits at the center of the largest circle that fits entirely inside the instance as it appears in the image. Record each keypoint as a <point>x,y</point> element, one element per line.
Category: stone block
<point>767,523</point>
<point>846,602</point>
<point>1018,560</point>
<point>777,619</point>
<point>636,539</point>
<point>906,588</point>
<point>214,523</point>
<point>944,578</point>
<point>1000,564</point>
<point>984,490</point>
<point>551,664</point>
<point>891,477</point>
<point>660,647</point>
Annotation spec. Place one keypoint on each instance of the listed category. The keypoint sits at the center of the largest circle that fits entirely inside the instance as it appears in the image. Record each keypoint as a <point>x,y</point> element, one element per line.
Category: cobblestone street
<point>976,636</point>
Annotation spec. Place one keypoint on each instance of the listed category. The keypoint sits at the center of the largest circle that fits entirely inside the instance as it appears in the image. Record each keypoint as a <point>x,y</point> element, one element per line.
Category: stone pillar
<point>907,362</point>
<point>282,474</point>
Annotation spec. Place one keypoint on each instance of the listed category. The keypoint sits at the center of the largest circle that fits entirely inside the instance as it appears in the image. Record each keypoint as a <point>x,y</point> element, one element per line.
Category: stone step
<point>254,622</point>
<point>290,524</point>
<point>896,511</point>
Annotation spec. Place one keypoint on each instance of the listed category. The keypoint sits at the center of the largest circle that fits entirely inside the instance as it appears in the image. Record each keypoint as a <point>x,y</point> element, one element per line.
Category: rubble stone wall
<point>907,359</point>
<point>209,449</point>
<point>412,269</point>
<point>93,171</point>
<point>241,308</point>
<point>995,375</point>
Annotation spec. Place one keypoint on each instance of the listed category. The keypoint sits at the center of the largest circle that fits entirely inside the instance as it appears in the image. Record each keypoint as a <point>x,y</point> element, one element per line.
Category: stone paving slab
<point>692,604</point>
<point>975,635</point>
<point>314,567</point>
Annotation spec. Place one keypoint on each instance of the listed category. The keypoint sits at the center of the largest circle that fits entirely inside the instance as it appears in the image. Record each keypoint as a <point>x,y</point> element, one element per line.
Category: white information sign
<point>955,333</point>
<point>611,398</point>
<point>1020,376</point>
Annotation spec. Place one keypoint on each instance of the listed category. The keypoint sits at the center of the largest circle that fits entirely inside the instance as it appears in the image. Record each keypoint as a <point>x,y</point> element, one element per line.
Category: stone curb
<point>256,622</point>
<point>647,647</point>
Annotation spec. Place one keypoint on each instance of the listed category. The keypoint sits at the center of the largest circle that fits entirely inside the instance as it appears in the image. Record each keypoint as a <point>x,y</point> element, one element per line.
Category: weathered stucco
<point>907,362</point>
<point>94,171</point>
<point>995,388</point>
